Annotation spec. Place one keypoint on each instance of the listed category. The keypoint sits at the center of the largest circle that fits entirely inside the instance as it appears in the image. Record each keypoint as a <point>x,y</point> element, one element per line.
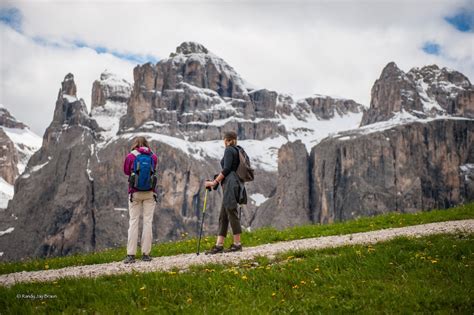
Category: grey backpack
<point>245,172</point>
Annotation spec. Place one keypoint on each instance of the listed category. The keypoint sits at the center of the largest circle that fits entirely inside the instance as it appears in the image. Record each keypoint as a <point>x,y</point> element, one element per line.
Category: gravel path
<point>184,261</point>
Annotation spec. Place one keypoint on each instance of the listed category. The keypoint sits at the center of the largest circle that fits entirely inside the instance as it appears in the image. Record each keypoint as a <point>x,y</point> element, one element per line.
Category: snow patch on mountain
<point>258,199</point>
<point>313,130</point>
<point>108,117</point>
<point>26,142</point>
<point>6,193</point>
<point>399,118</point>
<point>263,153</point>
<point>7,231</point>
<point>120,86</point>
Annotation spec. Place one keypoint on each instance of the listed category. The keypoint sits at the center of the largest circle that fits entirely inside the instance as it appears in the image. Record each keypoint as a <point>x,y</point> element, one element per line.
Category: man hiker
<point>140,165</point>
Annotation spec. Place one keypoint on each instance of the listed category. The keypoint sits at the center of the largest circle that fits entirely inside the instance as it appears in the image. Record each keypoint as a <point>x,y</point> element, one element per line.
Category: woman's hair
<point>139,142</point>
<point>230,137</point>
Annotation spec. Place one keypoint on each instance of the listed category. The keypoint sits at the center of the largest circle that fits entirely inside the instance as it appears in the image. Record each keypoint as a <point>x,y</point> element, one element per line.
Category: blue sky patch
<point>137,58</point>
<point>432,48</point>
<point>463,21</point>
<point>12,17</point>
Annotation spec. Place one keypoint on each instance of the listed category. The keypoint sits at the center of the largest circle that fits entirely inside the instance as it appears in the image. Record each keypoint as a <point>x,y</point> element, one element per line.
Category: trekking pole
<point>202,221</point>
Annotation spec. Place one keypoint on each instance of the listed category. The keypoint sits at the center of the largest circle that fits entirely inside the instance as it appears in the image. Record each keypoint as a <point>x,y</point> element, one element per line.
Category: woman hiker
<point>231,189</point>
<point>140,165</point>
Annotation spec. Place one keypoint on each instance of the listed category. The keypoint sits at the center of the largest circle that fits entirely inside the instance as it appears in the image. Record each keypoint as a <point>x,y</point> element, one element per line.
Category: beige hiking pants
<point>143,202</point>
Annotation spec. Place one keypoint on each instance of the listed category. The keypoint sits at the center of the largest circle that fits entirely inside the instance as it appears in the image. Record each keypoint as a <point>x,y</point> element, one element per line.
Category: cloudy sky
<point>328,47</point>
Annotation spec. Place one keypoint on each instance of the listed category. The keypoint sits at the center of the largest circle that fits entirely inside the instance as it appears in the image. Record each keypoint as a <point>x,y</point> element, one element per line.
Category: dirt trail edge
<point>184,261</point>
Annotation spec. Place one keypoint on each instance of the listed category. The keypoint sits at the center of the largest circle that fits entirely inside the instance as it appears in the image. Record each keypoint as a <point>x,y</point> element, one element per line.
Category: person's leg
<point>147,233</point>
<point>236,228</point>
<point>134,212</point>
<point>223,226</point>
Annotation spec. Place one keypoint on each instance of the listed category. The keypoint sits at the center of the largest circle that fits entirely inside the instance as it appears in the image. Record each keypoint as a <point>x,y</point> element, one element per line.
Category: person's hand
<point>209,184</point>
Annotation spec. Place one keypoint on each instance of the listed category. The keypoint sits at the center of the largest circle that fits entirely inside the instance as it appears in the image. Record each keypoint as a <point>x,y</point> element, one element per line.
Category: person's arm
<point>155,159</point>
<point>228,159</point>
<point>127,165</point>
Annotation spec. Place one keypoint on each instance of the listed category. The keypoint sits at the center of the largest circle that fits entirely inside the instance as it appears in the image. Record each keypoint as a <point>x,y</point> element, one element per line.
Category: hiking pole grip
<point>202,222</point>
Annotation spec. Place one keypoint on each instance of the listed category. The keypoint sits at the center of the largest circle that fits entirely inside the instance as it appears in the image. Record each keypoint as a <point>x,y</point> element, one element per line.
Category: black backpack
<point>245,172</point>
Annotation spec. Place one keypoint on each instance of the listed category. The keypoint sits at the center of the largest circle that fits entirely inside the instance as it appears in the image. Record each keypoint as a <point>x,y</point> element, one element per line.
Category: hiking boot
<point>234,248</point>
<point>129,259</point>
<point>215,250</point>
<point>146,258</point>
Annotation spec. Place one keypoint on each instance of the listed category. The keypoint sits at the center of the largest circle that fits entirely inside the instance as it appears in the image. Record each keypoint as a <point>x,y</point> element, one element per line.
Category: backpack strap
<point>135,152</point>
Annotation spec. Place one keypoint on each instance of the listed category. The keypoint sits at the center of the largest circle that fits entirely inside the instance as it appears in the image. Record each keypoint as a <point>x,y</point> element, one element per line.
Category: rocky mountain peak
<point>187,48</point>
<point>68,87</point>
<point>422,92</point>
<point>197,95</point>
<point>432,74</point>
<point>69,109</point>
<point>111,88</point>
<point>106,74</point>
<point>7,120</point>
<point>391,70</point>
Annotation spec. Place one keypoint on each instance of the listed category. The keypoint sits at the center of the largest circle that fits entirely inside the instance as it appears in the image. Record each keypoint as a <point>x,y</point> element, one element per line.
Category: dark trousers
<point>226,216</point>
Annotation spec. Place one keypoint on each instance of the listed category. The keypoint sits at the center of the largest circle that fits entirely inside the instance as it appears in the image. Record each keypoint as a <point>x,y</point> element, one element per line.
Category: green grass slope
<point>258,237</point>
<point>432,274</point>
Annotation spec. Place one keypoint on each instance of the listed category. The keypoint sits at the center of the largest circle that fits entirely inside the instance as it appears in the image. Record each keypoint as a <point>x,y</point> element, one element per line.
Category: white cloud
<point>335,48</point>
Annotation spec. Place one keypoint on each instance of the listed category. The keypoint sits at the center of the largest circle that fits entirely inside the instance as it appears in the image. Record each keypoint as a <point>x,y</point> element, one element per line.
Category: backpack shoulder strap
<point>135,152</point>
<point>237,148</point>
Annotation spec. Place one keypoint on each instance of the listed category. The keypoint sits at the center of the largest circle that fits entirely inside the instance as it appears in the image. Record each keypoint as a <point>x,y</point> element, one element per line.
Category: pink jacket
<point>128,164</point>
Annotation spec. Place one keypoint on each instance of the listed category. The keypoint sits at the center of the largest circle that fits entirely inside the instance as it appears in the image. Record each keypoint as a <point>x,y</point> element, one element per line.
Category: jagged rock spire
<point>191,47</point>
<point>69,109</point>
<point>68,87</point>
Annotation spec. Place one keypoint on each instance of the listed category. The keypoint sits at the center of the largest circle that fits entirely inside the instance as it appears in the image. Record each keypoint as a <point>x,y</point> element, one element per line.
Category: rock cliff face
<point>289,206</point>
<point>405,168</point>
<point>424,92</point>
<point>414,152</point>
